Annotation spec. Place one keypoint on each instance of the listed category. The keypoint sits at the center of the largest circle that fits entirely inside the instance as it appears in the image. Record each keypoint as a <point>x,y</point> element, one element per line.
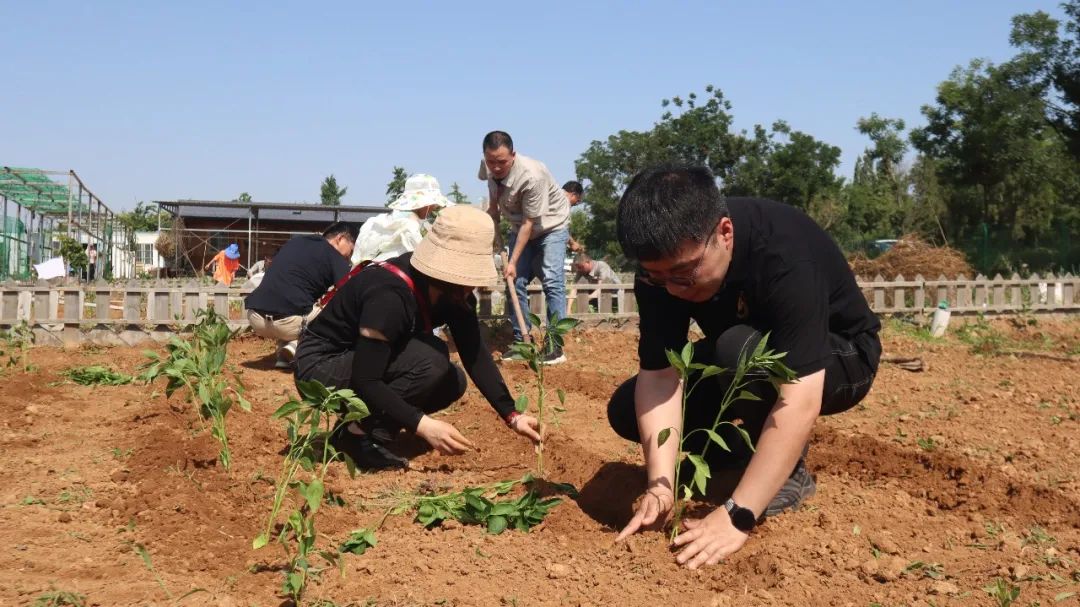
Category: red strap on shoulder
<point>421,301</point>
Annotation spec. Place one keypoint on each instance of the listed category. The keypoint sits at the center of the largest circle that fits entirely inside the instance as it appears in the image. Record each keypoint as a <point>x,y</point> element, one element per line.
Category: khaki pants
<point>286,329</point>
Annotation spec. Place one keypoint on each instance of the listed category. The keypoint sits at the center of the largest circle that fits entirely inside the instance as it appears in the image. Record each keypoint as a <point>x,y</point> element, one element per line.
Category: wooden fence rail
<point>65,311</point>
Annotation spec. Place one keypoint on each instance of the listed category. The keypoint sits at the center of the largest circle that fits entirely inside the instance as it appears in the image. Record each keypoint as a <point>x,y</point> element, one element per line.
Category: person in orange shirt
<point>227,262</point>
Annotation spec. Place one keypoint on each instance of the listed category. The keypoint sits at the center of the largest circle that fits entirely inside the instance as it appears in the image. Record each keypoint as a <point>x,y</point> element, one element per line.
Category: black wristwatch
<point>743,518</point>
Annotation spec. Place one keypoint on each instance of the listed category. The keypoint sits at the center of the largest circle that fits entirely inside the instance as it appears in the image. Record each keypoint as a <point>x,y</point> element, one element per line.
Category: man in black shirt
<point>740,268</point>
<point>302,271</point>
<point>375,337</point>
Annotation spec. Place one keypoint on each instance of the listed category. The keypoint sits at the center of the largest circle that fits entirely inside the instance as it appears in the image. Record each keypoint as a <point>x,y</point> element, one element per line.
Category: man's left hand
<point>510,271</point>
<point>709,540</point>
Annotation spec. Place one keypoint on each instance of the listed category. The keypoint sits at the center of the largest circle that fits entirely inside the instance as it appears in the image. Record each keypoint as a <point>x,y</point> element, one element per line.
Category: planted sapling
<point>554,336</point>
<point>197,364</point>
<point>311,421</point>
<point>760,360</point>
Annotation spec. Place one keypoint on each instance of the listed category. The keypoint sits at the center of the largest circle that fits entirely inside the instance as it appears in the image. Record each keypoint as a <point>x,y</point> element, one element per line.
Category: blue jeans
<point>551,249</point>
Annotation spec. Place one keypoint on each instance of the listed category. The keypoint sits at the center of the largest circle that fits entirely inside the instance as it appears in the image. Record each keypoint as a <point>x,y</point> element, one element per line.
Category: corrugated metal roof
<point>281,211</point>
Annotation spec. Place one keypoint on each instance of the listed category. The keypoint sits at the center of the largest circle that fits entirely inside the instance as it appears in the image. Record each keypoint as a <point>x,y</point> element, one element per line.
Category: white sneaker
<point>287,352</point>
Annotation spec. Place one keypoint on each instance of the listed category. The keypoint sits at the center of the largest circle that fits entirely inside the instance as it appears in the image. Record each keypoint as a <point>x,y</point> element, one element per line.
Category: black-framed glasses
<point>683,281</point>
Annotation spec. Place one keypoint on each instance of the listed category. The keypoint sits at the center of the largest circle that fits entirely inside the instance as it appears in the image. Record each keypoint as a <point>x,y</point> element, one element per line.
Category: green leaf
<point>562,395</point>
<point>313,493</point>
<point>522,403</point>
<point>287,408</point>
<point>244,404</point>
<point>260,541</point>
<point>701,472</point>
<point>687,354</point>
<point>534,320</point>
<point>566,325</point>
<point>746,437</point>
<point>714,437</point>
<point>747,395</point>
<point>662,437</point>
<point>675,361</point>
<point>711,370</point>
<point>496,525</point>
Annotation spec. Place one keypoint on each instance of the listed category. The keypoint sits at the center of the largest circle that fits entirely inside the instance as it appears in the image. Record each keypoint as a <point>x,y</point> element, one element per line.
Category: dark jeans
<point>849,373</point>
<point>421,373</point>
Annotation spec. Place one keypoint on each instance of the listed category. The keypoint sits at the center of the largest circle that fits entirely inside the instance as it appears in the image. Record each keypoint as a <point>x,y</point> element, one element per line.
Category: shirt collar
<point>515,173</point>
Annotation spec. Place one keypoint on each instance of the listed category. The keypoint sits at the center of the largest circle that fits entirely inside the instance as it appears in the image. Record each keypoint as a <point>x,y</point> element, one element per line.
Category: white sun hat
<point>421,190</point>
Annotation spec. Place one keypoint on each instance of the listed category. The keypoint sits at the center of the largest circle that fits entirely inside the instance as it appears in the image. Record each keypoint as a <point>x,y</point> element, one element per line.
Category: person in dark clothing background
<point>303,269</point>
<point>375,337</point>
<point>741,268</point>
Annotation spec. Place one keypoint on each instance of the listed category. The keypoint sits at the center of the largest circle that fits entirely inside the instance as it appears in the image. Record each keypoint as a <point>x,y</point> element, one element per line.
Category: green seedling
<point>358,542</point>
<point>197,365</point>
<point>96,375</point>
<point>480,506</point>
<point>1003,592</point>
<point>930,570</point>
<point>310,422</point>
<point>927,444</point>
<point>60,598</point>
<point>766,361</point>
<point>553,334</point>
<point>15,346</point>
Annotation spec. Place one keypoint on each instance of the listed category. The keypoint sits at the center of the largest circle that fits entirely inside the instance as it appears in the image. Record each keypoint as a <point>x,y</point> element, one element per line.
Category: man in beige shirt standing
<point>523,191</point>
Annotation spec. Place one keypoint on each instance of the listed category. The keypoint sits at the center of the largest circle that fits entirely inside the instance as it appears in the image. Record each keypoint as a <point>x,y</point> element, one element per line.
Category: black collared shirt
<point>787,277</point>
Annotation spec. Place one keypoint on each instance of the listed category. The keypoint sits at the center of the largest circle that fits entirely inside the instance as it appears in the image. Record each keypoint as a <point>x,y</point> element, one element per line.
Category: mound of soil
<point>912,256</point>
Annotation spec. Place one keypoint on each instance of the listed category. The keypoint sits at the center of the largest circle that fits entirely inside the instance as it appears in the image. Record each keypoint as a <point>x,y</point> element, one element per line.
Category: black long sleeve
<point>476,358</point>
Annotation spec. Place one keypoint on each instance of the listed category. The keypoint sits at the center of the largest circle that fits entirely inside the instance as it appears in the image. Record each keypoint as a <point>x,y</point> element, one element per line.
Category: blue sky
<point>159,101</point>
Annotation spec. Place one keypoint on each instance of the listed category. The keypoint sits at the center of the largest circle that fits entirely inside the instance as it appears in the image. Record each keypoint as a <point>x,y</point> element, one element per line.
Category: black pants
<point>90,271</point>
<point>848,374</point>
<point>421,373</point>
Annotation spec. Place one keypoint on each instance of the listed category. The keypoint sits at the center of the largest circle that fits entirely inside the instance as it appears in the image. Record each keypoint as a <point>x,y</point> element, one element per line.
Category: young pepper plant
<point>310,422</point>
<point>553,335</point>
<point>764,361</point>
<point>197,364</point>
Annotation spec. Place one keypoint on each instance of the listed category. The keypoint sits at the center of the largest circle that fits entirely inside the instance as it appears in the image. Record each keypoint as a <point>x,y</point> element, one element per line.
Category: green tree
<point>74,254</point>
<point>689,131</point>
<point>144,218</point>
<point>994,148</point>
<point>330,194</point>
<point>1050,59</point>
<point>396,185</point>
<point>455,195</point>
<point>246,198</point>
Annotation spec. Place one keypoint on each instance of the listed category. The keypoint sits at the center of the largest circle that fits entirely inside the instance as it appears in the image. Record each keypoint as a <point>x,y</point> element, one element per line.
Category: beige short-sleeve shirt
<point>529,190</point>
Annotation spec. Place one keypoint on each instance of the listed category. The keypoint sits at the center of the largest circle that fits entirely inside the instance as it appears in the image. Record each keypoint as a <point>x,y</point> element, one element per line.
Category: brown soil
<point>971,466</point>
<point>911,257</point>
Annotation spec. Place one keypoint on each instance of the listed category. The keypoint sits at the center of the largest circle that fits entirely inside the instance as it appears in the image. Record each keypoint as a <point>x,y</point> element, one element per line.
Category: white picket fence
<point>163,305</point>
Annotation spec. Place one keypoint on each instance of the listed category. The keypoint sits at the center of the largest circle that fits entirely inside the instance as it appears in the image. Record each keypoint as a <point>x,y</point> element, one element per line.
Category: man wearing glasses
<point>741,268</point>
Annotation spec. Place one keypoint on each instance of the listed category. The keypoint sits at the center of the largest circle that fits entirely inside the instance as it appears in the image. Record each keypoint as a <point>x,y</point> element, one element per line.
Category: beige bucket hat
<point>458,248</point>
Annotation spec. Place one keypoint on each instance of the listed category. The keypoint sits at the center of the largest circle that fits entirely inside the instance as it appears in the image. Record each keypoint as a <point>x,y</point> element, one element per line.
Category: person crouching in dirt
<point>375,337</point>
<point>741,268</point>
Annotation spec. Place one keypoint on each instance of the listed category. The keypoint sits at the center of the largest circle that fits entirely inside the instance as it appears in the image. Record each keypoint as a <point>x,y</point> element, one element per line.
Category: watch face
<point>743,519</point>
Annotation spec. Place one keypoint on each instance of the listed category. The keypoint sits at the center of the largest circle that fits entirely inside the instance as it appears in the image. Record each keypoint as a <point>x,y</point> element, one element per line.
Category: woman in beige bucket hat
<point>374,336</point>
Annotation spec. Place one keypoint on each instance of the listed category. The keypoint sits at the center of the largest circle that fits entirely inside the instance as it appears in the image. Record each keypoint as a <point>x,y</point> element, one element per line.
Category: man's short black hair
<point>497,139</point>
<point>342,227</point>
<point>573,187</point>
<point>663,207</point>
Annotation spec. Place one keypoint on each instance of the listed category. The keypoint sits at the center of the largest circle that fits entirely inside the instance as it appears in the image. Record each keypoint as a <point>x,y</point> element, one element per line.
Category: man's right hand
<point>443,437</point>
<point>653,512</point>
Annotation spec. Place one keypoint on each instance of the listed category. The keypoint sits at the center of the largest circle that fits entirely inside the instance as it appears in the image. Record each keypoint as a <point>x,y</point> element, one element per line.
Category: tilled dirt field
<point>939,484</point>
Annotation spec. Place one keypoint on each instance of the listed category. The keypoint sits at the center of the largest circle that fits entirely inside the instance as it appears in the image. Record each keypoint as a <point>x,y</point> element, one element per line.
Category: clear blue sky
<point>158,101</point>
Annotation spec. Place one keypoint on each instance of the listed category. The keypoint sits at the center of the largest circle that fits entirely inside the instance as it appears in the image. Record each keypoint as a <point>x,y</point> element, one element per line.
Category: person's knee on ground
<point>621,413</point>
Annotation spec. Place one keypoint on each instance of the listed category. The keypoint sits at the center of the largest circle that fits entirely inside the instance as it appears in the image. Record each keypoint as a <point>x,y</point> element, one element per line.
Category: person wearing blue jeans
<point>523,191</point>
<point>551,251</point>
